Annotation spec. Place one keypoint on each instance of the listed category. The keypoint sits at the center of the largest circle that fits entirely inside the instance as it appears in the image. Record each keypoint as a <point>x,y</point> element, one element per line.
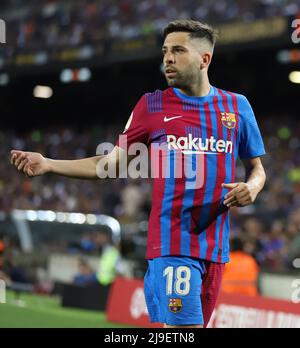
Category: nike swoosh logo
<point>167,119</point>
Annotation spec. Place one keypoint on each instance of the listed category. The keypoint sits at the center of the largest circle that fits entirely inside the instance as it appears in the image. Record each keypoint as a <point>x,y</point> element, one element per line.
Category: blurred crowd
<point>37,24</point>
<point>269,230</point>
<point>111,197</point>
<point>17,269</point>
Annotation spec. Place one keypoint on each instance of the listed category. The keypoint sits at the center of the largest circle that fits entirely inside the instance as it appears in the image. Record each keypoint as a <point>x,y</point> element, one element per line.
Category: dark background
<point>115,88</point>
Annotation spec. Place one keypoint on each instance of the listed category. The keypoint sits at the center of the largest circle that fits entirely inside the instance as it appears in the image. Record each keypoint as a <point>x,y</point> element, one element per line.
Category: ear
<point>205,60</point>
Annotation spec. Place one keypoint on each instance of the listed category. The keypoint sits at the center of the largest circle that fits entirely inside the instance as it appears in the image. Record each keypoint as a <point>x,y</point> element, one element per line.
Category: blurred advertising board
<point>126,304</point>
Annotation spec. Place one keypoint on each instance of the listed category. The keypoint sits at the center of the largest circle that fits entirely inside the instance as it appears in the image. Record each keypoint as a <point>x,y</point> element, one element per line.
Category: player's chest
<point>201,121</point>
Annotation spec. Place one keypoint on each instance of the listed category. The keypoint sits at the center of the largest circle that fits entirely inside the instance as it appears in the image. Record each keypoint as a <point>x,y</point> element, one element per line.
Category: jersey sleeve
<point>250,139</point>
<point>135,130</point>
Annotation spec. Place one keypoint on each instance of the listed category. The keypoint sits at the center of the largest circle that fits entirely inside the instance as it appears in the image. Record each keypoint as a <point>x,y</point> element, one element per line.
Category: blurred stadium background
<point>70,74</point>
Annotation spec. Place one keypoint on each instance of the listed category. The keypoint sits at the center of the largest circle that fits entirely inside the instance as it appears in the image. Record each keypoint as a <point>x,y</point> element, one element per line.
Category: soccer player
<point>188,234</point>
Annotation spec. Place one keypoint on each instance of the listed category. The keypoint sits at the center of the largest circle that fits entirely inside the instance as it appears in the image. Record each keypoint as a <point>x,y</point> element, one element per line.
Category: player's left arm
<point>245,193</point>
<point>250,149</point>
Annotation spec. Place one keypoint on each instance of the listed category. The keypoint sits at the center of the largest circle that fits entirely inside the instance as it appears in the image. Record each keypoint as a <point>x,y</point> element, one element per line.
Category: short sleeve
<point>250,139</point>
<point>135,130</point>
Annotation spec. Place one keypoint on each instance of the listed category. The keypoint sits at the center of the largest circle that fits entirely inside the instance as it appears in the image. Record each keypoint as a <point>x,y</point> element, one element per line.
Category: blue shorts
<point>172,287</point>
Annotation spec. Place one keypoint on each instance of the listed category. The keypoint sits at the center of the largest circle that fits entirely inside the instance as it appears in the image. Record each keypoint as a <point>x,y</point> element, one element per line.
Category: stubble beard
<point>182,80</point>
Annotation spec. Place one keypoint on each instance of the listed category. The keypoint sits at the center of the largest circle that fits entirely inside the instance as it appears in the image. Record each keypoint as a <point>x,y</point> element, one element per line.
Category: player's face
<point>181,60</point>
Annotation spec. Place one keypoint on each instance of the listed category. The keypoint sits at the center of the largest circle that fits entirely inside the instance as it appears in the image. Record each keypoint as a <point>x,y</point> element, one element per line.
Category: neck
<point>200,88</point>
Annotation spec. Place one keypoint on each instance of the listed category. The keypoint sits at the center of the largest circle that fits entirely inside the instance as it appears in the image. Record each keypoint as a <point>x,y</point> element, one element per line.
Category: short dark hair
<point>196,29</point>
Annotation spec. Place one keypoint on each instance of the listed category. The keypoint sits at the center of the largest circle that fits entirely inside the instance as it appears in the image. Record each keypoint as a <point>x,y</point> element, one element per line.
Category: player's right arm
<point>34,164</point>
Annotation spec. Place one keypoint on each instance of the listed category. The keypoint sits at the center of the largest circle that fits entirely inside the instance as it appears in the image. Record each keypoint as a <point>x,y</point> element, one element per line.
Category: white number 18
<point>182,277</point>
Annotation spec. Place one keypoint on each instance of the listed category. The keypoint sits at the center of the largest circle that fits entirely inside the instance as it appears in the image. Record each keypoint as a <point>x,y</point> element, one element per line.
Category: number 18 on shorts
<point>172,290</point>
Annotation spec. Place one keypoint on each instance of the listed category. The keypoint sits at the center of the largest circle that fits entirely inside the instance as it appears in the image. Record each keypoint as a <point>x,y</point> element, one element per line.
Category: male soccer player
<point>188,235</point>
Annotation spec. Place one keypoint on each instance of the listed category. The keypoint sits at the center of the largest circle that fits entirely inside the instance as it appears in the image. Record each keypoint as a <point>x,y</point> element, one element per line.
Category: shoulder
<point>157,92</point>
<point>157,95</point>
<point>149,103</point>
<point>153,101</point>
<point>240,98</point>
<point>240,102</point>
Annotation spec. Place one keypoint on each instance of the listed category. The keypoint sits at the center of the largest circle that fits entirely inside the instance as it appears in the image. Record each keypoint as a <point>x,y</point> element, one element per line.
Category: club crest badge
<point>175,305</point>
<point>228,119</point>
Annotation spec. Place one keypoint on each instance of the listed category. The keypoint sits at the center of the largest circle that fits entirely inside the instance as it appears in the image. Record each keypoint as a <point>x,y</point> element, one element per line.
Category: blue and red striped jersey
<point>202,135</point>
